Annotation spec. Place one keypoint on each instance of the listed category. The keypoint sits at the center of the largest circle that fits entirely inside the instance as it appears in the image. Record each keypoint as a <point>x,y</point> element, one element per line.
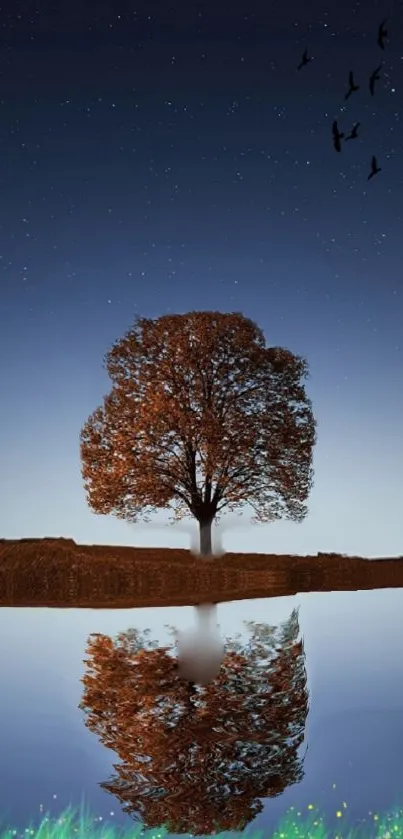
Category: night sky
<point>160,158</point>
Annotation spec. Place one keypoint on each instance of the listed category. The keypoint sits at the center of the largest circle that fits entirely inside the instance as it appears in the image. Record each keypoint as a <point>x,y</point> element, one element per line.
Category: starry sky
<point>160,158</point>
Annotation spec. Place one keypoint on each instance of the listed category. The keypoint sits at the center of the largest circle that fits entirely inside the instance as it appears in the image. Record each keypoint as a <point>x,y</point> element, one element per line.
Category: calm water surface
<point>353,746</point>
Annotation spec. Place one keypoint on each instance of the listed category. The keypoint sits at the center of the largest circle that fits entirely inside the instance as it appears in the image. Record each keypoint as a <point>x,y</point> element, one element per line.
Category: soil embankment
<point>58,572</point>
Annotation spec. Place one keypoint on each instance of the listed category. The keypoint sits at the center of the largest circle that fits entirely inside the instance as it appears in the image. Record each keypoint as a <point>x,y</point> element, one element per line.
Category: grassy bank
<point>59,572</point>
<point>296,825</point>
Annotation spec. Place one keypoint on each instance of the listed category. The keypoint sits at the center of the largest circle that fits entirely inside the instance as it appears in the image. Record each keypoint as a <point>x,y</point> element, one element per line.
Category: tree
<point>201,416</point>
<point>198,760</point>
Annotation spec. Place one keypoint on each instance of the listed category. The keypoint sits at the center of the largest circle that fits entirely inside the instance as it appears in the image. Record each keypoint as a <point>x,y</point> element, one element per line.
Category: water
<point>352,750</point>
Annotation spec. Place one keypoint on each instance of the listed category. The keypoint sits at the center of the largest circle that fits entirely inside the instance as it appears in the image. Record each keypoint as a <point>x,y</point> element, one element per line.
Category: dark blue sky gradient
<point>171,158</point>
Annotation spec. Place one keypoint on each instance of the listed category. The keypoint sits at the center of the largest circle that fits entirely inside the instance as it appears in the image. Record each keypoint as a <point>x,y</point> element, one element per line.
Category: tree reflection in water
<point>199,759</point>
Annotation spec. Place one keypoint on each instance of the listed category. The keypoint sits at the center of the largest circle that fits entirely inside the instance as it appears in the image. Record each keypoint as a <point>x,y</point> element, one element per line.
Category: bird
<point>353,87</point>
<point>374,168</point>
<point>354,132</point>
<point>304,60</point>
<point>382,34</point>
<point>375,77</point>
<point>337,136</point>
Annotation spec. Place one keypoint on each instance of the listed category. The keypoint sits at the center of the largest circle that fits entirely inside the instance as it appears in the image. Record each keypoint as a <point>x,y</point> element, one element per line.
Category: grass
<point>78,824</point>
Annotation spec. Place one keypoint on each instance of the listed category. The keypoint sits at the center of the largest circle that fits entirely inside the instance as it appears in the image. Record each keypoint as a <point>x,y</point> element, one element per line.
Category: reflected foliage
<point>199,759</point>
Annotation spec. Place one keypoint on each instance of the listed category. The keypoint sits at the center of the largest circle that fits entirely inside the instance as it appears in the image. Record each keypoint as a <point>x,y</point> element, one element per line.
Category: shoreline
<point>59,573</point>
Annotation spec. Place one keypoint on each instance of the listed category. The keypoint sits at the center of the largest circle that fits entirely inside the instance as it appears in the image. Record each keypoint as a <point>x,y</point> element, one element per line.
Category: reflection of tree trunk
<point>201,651</point>
<point>205,538</point>
<point>206,614</point>
<point>211,648</point>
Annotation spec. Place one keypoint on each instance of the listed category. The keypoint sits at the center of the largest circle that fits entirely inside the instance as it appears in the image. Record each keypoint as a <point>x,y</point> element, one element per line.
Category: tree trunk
<point>205,538</point>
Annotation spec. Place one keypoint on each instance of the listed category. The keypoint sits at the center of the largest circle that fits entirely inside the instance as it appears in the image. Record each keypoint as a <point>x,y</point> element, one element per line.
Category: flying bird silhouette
<point>304,60</point>
<point>374,168</point>
<point>337,136</point>
<point>354,132</point>
<point>382,35</point>
<point>374,77</point>
<point>353,87</point>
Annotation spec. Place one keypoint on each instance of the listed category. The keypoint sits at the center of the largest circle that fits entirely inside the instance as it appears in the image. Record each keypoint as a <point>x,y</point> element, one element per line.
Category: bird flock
<point>339,136</point>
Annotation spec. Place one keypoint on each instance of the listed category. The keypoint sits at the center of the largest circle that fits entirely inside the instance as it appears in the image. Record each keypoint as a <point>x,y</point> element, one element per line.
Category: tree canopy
<point>199,759</point>
<point>201,416</point>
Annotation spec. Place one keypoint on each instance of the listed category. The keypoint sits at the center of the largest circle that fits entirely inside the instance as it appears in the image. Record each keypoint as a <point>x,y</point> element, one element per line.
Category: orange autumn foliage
<point>201,416</point>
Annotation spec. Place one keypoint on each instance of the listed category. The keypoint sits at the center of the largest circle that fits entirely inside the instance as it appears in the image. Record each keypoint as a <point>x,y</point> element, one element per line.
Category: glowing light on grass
<point>80,825</point>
